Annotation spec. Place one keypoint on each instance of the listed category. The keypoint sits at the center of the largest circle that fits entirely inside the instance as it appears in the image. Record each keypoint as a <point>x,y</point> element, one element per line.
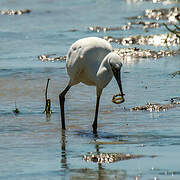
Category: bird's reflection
<point>100,168</point>
<point>98,172</point>
<point>63,150</point>
<point>48,117</point>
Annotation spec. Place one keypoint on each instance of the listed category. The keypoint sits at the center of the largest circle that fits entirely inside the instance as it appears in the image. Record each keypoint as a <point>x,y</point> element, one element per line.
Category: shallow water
<point>32,146</point>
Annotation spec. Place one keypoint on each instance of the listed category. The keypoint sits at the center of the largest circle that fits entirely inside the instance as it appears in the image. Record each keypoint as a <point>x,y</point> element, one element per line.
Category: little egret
<point>92,62</point>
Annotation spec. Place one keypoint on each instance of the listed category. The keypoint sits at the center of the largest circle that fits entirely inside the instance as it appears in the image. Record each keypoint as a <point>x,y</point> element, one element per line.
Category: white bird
<point>92,62</point>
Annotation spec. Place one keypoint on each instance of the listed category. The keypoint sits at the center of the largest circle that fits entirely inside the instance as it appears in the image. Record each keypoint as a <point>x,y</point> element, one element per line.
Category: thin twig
<point>177,27</point>
<point>173,31</point>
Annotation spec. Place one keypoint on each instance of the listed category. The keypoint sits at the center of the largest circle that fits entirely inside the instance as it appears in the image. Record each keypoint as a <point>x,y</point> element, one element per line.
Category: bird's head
<point>116,64</point>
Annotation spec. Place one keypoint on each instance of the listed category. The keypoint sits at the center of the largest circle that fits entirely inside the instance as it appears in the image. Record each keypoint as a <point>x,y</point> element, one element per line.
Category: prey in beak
<point>118,98</point>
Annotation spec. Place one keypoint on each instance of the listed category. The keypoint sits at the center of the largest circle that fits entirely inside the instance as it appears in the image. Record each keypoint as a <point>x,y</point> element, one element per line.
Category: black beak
<point>117,75</point>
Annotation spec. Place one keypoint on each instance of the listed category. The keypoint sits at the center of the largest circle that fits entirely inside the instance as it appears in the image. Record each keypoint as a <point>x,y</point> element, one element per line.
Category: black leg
<point>96,116</point>
<point>61,101</point>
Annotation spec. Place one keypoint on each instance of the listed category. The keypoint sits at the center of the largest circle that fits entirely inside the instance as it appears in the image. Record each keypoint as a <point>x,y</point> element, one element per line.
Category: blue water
<point>33,146</point>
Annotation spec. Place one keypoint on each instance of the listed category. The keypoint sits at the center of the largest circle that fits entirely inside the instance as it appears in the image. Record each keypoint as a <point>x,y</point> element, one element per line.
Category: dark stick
<point>48,101</point>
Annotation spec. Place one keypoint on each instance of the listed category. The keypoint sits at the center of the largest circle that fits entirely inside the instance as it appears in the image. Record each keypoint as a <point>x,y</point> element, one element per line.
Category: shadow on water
<point>140,138</point>
<point>99,135</point>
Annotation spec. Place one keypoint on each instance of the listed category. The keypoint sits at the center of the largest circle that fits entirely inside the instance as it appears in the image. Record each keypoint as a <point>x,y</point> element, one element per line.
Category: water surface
<point>33,146</point>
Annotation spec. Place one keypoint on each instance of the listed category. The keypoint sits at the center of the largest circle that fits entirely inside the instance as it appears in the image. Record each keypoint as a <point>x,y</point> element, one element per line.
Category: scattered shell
<point>99,28</point>
<point>147,24</point>
<point>155,107</point>
<point>127,54</point>
<point>143,24</point>
<point>14,12</point>
<point>169,39</point>
<point>46,57</point>
<point>172,14</point>
<point>136,53</point>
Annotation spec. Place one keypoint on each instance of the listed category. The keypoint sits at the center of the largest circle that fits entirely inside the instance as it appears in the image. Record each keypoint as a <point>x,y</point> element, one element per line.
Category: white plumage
<point>92,62</point>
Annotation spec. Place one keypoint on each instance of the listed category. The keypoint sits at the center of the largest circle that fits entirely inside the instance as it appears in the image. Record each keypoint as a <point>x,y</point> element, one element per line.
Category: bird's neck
<point>104,74</point>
